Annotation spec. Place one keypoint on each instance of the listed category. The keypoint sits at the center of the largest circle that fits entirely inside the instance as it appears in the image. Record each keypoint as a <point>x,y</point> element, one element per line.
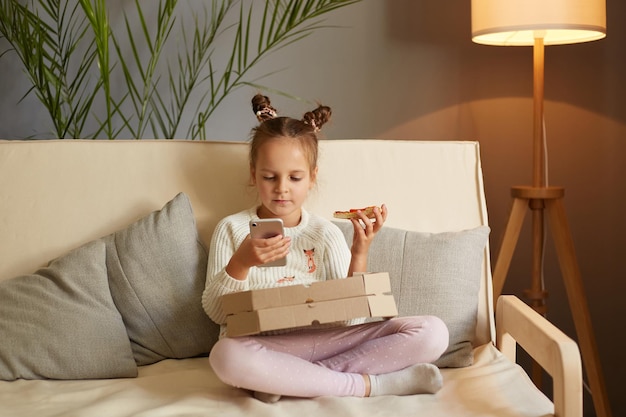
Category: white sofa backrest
<point>56,195</point>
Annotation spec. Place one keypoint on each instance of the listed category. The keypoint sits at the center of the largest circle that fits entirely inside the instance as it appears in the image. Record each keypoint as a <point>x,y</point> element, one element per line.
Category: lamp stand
<point>541,199</point>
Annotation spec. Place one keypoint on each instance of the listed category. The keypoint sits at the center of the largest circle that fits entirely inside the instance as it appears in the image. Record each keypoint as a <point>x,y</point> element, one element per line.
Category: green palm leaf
<point>65,49</point>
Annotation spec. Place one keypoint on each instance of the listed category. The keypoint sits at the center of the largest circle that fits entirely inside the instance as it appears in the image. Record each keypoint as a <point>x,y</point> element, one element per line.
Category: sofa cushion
<point>157,271</point>
<point>60,322</point>
<point>434,274</point>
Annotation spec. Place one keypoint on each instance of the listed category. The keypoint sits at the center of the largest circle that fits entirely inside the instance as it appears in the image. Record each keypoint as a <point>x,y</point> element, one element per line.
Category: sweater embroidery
<point>311,267</point>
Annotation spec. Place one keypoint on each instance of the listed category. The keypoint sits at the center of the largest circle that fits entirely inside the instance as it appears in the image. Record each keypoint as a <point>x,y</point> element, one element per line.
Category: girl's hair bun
<point>262,108</point>
<point>318,117</point>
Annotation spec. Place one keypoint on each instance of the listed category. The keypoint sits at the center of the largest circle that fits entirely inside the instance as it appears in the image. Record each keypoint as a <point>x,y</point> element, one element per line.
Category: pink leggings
<point>312,363</point>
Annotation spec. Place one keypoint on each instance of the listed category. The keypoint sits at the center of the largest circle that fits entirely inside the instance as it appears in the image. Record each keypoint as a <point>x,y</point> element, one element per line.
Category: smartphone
<point>266,228</point>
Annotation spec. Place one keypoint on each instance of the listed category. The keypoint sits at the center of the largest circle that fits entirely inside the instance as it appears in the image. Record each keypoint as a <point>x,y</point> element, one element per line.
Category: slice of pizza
<point>352,213</point>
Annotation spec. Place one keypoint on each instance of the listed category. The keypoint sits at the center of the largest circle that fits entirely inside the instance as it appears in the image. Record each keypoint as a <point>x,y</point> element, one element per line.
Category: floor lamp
<point>539,23</point>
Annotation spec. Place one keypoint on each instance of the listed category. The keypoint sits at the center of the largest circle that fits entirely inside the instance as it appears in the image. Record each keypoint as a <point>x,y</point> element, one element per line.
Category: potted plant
<point>71,54</point>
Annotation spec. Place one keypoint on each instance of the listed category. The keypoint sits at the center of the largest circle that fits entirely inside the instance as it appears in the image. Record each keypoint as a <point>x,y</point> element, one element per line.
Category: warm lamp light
<point>519,22</point>
<point>538,23</point>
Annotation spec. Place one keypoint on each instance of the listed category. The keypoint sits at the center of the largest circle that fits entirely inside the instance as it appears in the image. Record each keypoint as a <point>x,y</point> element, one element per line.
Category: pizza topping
<point>353,213</point>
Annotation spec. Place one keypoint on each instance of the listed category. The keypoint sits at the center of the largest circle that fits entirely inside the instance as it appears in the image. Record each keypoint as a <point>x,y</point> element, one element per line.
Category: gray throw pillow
<point>157,272</point>
<point>434,274</point>
<point>61,323</point>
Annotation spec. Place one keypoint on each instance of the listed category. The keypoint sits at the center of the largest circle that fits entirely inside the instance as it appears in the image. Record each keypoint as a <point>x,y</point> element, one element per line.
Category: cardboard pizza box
<point>359,296</point>
<point>302,315</point>
<point>356,285</point>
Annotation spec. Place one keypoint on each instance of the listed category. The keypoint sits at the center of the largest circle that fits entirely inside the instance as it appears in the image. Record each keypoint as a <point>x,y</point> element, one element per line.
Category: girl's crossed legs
<point>312,363</point>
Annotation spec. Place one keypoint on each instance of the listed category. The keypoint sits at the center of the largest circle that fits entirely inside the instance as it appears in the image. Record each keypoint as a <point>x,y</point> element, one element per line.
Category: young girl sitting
<point>390,357</point>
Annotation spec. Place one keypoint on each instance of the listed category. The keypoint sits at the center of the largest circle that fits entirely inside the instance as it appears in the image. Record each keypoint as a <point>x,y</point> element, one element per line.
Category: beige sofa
<point>116,330</point>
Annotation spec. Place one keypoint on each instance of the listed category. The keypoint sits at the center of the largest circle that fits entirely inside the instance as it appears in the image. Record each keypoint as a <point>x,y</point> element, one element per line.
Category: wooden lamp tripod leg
<point>578,304</point>
<point>511,235</point>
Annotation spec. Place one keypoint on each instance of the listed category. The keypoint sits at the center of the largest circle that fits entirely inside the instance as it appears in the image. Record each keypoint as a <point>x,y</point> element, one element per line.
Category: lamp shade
<point>519,22</point>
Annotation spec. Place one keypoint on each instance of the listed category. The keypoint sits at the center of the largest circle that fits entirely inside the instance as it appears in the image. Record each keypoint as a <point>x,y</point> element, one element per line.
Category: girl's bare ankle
<point>368,385</point>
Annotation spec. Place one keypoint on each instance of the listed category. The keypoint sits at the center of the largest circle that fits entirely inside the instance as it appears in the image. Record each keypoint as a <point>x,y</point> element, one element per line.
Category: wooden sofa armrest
<point>553,350</point>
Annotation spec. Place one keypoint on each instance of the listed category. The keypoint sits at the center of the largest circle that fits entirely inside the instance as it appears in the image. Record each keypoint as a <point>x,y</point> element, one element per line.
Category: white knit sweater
<point>318,252</point>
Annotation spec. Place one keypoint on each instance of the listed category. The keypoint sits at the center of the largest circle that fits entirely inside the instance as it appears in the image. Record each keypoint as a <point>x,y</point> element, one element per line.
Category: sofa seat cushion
<point>491,387</point>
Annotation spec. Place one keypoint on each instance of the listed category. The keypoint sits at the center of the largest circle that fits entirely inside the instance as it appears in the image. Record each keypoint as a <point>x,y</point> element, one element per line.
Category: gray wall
<point>407,69</point>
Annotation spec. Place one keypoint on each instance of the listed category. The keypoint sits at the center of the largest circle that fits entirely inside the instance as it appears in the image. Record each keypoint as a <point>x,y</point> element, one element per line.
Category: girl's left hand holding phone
<point>267,250</point>
<point>255,252</point>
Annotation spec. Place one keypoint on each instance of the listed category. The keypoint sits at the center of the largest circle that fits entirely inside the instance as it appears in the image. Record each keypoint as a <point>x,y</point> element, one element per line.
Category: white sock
<point>422,378</point>
<point>265,397</point>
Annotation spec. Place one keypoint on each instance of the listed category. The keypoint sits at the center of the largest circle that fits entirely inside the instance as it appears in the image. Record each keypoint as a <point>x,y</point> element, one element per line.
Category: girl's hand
<point>260,251</point>
<point>365,230</point>
<point>255,252</point>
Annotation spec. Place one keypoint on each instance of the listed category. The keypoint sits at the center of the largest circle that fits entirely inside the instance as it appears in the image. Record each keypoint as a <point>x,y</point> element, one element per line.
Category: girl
<point>389,357</point>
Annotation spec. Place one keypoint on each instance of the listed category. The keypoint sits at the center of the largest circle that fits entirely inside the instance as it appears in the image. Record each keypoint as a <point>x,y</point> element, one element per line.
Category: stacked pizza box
<point>365,295</point>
